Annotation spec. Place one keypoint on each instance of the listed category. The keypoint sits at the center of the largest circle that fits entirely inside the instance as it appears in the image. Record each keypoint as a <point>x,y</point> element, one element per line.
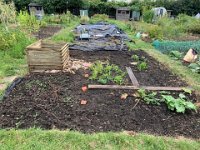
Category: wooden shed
<point>47,55</point>
<point>123,13</point>
<point>36,9</point>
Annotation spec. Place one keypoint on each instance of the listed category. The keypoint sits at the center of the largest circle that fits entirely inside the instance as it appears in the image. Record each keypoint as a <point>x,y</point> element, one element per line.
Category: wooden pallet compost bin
<point>47,55</point>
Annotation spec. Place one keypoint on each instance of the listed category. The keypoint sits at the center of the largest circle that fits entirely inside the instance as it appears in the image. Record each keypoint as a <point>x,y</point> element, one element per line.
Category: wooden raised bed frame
<point>47,55</point>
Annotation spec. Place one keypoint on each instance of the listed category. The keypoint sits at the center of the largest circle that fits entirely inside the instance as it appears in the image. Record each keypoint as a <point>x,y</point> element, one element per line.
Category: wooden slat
<point>65,63</point>
<point>46,67</point>
<point>47,55</point>
<point>151,88</point>
<point>66,50</point>
<point>36,44</point>
<point>65,54</point>
<point>65,60</point>
<point>132,77</point>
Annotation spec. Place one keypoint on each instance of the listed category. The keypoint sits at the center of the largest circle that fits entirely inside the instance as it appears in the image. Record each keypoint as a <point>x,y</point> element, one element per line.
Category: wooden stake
<point>132,77</point>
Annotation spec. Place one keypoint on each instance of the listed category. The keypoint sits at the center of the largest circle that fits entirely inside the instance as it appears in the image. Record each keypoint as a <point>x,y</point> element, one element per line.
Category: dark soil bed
<point>48,31</point>
<point>53,101</point>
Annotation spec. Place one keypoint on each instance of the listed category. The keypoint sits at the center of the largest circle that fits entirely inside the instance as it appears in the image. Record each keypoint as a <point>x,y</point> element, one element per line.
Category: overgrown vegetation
<point>7,13</point>
<point>67,34</point>
<point>29,22</point>
<point>12,43</point>
<point>105,73</point>
<point>148,16</point>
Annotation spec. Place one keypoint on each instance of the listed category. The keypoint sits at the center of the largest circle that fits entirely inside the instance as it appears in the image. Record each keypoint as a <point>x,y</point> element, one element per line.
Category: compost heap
<point>102,36</point>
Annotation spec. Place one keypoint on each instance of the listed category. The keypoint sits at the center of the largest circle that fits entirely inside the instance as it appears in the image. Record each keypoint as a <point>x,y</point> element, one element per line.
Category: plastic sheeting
<point>11,87</point>
<point>197,16</point>
<point>103,36</point>
<point>182,46</point>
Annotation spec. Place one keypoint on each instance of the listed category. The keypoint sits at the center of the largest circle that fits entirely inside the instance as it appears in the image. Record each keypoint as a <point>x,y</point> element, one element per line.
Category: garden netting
<point>182,46</point>
<point>102,36</point>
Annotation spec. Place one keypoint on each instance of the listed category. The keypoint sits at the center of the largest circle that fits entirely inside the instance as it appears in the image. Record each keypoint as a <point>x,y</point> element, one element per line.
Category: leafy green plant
<point>178,104</point>
<point>195,67</point>
<point>149,98</point>
<point>176,55</point>
<point>105,73</point>
<point>187,90</point>
<point>135,58</point>
<point>142,66</point>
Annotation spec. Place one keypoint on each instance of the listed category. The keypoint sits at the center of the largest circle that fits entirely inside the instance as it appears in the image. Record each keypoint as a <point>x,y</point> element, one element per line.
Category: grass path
<point>36,139</point>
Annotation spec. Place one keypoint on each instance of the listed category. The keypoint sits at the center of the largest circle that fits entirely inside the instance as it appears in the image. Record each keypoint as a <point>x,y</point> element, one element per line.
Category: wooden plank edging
<point>151,88</point>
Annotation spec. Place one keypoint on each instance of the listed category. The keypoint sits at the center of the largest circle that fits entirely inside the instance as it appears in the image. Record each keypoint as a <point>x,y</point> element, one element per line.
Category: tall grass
<point>13,42</point>
<point>29,22</point>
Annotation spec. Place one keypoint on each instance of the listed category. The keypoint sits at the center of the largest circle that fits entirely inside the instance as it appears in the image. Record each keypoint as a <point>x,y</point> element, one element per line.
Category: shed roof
<point>34,4</point>
<point>123,8</point>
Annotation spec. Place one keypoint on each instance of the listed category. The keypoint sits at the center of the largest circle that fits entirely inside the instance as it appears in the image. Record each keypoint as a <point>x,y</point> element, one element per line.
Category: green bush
<point>194,28</point>
<point>155,32</point>
<point>13,42</point>
<point>29,21</point>
<point>180,26</point>
<point>64,18</point>
<point>100,17</point>
<point>148,16</point>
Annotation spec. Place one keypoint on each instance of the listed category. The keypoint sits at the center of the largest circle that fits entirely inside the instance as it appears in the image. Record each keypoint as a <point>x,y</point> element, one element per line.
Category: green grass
<point>66,34</point>
<point>11,66</point>
<point>37,139</point>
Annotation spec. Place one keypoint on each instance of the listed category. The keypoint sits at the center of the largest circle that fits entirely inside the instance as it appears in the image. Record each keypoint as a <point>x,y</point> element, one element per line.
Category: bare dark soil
<point>53,101</point>
<point>48,31</point>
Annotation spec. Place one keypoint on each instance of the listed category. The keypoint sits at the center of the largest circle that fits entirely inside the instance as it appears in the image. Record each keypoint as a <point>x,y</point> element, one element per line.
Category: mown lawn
<point>37,139</point>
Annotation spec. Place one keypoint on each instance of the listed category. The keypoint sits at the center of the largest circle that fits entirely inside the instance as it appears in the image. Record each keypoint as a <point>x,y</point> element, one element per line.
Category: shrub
<point>13,42</point>
<point>99,17</point>
<point>194,28</point>
<point>84,19</point>
<point>148,16</point>
<point>155,32</point>
<point>7,13</point>
<point>29,21</point>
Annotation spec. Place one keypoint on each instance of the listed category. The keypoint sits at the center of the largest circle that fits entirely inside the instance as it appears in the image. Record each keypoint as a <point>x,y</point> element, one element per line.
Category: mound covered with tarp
<point>99,36</point>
